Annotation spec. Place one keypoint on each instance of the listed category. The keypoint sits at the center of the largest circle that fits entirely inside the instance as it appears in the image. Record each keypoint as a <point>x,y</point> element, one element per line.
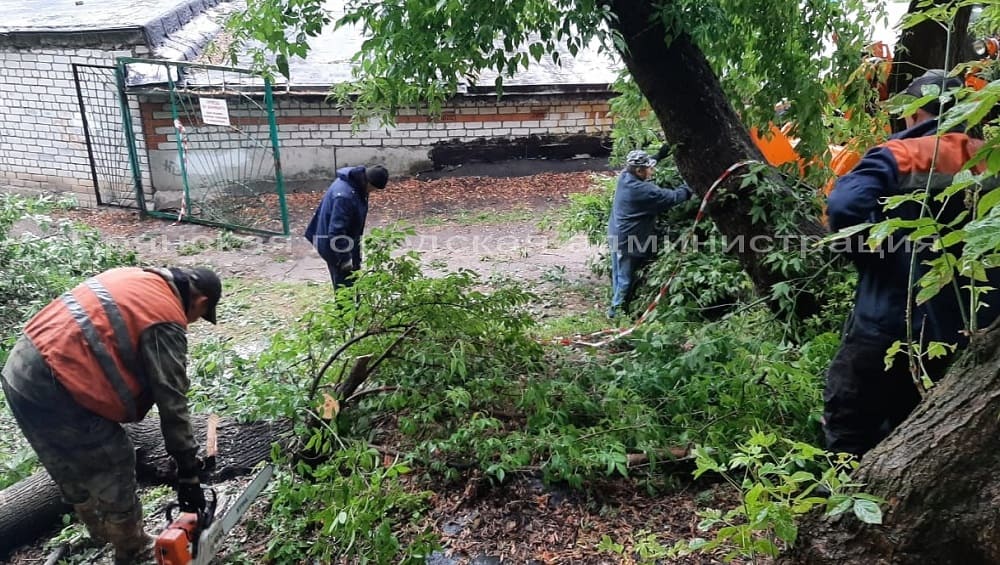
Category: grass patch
<point>572,324</point>
<point>251,309</point>
<point>225,241</point>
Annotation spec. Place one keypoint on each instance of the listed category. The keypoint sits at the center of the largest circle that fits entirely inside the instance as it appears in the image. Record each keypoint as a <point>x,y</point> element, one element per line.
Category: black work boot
<point>131,542</point>
<point>91,518</point>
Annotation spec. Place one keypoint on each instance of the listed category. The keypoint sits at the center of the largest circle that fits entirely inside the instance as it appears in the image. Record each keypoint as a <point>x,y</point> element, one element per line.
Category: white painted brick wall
<point>40,120</point>
<point>316,138</point>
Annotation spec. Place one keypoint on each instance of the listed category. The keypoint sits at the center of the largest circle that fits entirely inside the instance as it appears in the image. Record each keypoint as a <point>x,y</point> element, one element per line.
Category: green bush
<point>461,384</point>
<point>38,267</point>
<point>777,481</point>
<point>35,268</point>
<point>352,511</point>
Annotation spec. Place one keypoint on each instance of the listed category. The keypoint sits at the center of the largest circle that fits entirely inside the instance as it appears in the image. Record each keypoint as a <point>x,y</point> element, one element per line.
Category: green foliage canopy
<point>422,51</point>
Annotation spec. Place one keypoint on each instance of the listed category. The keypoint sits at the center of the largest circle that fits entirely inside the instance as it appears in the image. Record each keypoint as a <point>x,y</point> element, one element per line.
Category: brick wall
<point>42,144</point>
<point>317,138</point>
<point>43,148</point>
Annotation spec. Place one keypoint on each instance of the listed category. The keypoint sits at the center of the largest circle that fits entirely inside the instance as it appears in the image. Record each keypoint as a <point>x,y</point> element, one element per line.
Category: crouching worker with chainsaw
<point>637,203</point>
<point>100,355</point>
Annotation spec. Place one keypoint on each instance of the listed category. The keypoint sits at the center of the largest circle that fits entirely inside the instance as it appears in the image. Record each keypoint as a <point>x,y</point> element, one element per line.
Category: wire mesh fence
<point>98,93</point>
<point>211,138</point>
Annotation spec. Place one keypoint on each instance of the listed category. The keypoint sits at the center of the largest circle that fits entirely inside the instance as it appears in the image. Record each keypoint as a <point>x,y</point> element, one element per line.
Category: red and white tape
<point>182,135</point>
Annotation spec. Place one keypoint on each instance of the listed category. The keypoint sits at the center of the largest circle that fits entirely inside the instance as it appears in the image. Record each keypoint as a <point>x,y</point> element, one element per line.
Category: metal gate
<point>98,90</point>
<point>211,141</point>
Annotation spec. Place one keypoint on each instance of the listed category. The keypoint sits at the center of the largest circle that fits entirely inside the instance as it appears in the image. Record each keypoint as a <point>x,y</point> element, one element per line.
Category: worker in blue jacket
<point>637,203</point>
<point>339,222</point>
<point>864,401</point>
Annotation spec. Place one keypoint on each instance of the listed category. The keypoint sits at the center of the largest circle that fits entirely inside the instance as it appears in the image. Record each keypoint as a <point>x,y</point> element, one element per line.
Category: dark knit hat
<point>935,77</point>
<point>377,176</point>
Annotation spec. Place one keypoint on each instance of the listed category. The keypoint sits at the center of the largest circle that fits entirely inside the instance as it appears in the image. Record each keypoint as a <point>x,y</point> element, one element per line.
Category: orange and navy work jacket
<point>89,338</point>
<point>900,166</point>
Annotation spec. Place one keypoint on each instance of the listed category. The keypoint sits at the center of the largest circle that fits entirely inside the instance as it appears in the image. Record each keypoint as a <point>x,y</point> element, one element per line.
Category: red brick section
<point>535,113</point>
<point>153,139</point>
<point>149,125</point>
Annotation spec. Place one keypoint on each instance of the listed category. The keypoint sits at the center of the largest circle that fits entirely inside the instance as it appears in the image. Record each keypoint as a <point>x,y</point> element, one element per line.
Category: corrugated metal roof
<point>329,63</point>
<point>84,23</point>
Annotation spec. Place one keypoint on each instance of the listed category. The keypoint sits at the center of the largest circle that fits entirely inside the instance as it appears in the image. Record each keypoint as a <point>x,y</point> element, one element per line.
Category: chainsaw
<point>192,538</point>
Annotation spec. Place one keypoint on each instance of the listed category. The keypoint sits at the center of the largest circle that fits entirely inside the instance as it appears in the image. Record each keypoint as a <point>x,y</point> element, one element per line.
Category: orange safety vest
<point>776,146</point>
<point>89,338</point>
<point>844,160</point>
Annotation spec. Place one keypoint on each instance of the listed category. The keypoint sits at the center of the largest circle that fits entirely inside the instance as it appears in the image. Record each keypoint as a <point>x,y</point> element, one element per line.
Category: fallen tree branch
<point>368,392</point>
<point>359,373</point>
<point>340,350</point>
<point>392,346</point>
<point>457,465</point>
<point>57,554</point>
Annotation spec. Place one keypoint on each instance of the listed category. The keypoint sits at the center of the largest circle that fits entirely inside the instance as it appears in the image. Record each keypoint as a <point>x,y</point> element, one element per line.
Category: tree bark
<point>28,508</point>
<point>706,133</point>
<point>926,46</point>
<point>937,473</point>
<point>32,506</point>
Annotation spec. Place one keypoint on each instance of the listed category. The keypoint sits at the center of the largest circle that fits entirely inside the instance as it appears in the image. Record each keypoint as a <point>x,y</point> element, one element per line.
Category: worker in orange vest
<point>101,355</point>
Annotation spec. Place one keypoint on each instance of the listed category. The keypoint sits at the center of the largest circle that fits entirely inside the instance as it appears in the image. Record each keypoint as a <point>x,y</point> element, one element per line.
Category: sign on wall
<point>214,111</point>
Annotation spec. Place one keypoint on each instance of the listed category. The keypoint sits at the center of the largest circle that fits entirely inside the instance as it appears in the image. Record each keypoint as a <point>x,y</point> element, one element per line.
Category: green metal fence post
<point>129,131</point>
<point>225,166</point>
<point>279,179</point>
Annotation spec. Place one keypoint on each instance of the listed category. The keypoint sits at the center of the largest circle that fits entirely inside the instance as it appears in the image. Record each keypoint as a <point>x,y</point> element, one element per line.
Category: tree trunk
<point>706,133</point>
<point>32,506</point>
<point>925,46</point>
<point>938,474</point>
<point>28,508</point>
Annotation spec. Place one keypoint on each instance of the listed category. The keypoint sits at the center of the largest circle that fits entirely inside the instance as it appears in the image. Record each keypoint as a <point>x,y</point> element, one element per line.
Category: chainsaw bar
<point>211,537</point>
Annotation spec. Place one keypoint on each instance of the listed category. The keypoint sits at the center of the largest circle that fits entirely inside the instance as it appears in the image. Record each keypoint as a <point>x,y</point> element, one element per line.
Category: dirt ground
<point>495,227</point>
<point>498,228</point>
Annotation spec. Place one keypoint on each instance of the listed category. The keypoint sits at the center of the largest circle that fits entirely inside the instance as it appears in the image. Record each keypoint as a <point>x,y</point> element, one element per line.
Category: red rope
<point>614,334</point>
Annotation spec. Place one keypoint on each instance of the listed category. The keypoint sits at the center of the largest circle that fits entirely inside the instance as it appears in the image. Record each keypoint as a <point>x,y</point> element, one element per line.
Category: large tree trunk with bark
<point>938,474</point>
<point>27,508</point>
<point>32,506</point>
<point>937,471</point>
<point>707,134</point>
<point>927,46</point>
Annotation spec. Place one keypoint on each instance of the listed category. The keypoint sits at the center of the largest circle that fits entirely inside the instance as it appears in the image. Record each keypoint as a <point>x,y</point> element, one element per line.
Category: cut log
<point>32,506</point>
<point>28,508</point>
<point>938,474</point>
<point>241,446</point>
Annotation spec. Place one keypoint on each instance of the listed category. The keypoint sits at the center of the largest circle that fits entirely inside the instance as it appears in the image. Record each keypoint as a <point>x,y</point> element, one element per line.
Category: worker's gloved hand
<point>189,493</point>
<point>190,497</point>
<point>346,266</point>
<point>190,465</point>
<point>663,153</point>
<point>687,191</point>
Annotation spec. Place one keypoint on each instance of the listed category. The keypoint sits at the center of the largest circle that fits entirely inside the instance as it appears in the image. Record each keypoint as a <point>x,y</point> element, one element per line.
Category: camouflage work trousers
<point>89,457</point>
